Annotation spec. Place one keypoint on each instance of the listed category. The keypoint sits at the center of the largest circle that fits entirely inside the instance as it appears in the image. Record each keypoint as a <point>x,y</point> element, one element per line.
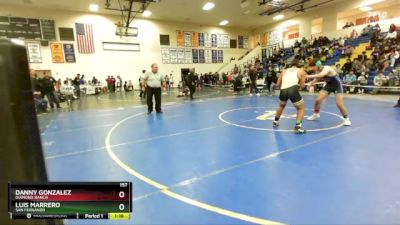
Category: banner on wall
<point>181,55</point>
<point>220,56</point>
<point>226,40</point>
<point>207,40</point>
<point>240,41</point>
<point>57,53</point>
<point>195,39</point>
<point>69,53</point>
<point>34,52</point>
<point>264,39</point>
<point>214,55</point>
<point>220,42</point>
<point>188,56</point>
<point>188,39</point>
<point>165,56</point>
<point>180,38</point>
<point>201,39</point>
<point>173,54</point>
<point>208,56</point>
<point>202,58</point>
<point>195,54</point>
<point>214,41</point>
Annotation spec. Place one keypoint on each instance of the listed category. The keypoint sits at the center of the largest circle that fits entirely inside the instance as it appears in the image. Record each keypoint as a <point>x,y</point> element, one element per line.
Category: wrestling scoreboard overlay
<point>70,200</point>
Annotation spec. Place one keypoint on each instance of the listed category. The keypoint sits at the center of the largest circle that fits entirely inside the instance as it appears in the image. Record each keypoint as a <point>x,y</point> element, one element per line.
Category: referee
<point>151,82</point>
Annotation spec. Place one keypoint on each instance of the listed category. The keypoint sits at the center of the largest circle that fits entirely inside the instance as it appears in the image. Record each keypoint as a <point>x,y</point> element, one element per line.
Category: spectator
<point>350,79</point>
<point>393,57</point>
<point>347,66</point>
<point>118,82</point>
<point>393,78</point>
<point>142,90</point>
<point>49,90</point>
<point>109,83</point>
<point>58,85</point>
<point>113,81</point>
<point>171,81</point>
<point>339,71</point>
<point>349,51</point>
<point>94,81</point>
<point>362,81</point>
<point>354,34</point>
<point>380,80</point>
<point>237,80</point>
<point>126,86</point>
<point>272,78</point>
<point>82,81</point>
<point>76,82</point>
<point>130,86</point>
<point>366,30</point>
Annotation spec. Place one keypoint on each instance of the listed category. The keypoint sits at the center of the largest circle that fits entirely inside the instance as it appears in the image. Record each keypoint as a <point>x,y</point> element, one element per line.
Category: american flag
<point>84,33</point>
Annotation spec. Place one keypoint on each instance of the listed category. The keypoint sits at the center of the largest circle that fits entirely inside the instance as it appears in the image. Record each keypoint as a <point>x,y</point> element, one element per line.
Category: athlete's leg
<point>299,119</point>
<point>341,106</point>
<point>343,109</point>
<point>323,94</point>
<point>279,110</point>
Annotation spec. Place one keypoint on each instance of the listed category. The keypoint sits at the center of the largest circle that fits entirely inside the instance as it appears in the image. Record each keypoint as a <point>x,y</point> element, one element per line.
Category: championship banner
<point>165,57</point>
<point>264,39</point>
<point>69,53</point>
<point>195,39</point>
<point>188,56</point>
<point>201,39</point>
<point>195,55</point>
<point>173,54</point>
<point>207,40</point>
<point>240,41</point>
<point>57,53</point>
<point>180,38</point>
<point>208,56</point>
<point>214,56</point>
<point>202,56</point>
<point>188,39</point>
<point>181,55</point>
<point>226,41</point>
<point>220,56</point>
<point>34,52</point>
<point>220,41</point>
<point>214,41</point>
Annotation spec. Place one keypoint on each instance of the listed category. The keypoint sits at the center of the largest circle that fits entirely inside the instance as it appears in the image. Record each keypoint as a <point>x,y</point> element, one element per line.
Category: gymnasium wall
<point>329,15</point>
<point>126,64</point>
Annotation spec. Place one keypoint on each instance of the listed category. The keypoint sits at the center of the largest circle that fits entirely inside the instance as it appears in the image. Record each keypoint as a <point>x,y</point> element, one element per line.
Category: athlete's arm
<point>322,74</point>
<point>302,76</point>
<point>279,82</point>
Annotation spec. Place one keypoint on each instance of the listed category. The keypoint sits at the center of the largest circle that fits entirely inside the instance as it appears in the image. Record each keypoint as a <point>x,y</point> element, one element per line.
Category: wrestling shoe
<point>299,130</point>
<point>315,116</point>
<point>275,124</point>
<point>346,122</point>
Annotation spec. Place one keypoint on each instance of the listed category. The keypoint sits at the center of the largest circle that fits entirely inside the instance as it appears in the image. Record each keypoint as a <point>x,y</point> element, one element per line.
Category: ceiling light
<point>224,22</point>
<point>371,2</point>
<point>244,4</point>
<point>278,17</point>
<point>365,8</point>
<point>284,29</point>
<point>208,6</point>
<point>94,7</point>
<point>146,13</point>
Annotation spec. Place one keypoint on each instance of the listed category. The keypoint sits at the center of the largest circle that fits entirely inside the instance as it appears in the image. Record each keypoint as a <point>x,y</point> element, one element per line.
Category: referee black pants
<point>192,89</point>
<point>157,95</point>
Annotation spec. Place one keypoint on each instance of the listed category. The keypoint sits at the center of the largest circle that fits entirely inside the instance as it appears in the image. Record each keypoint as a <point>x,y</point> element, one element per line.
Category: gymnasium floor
<point>217,160</point>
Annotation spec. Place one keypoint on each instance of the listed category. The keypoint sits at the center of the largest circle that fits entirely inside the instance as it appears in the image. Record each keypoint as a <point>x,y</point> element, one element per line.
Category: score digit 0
<point>121,194</point>
<point>121,207</point>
